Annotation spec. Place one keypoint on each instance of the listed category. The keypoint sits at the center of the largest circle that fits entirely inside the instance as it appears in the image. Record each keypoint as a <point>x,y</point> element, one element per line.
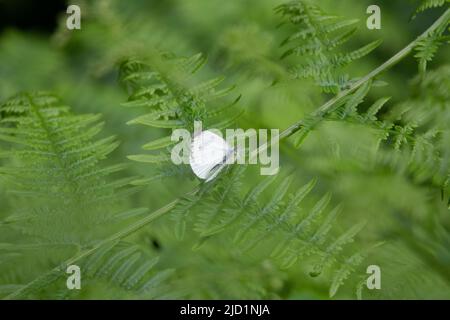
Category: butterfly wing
<point>208,155</point>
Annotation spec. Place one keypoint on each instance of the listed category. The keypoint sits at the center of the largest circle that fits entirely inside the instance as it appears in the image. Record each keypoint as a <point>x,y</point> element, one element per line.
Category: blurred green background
<point>241,40</point>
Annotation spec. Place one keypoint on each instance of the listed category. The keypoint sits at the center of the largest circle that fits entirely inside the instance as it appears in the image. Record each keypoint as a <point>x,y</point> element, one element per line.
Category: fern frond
<point>56,161</point>
<point>182,210</point>
<point>427,47</point>
<point>426,160</point>
<point>262,212</point>
<point>172,101</point>
<point>286,214</point>
<point>316,41</point>
<point>211,217</point>
<point>128,267</point>
<point>428,4</point>
<point>389,131</point>
<point>333,249</point>
<point>66,198</point>
<point>275,226</point>
<point>345,271</point>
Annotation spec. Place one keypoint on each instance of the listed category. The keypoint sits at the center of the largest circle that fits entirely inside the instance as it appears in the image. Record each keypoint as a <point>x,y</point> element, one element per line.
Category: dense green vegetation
<point>364,116</point>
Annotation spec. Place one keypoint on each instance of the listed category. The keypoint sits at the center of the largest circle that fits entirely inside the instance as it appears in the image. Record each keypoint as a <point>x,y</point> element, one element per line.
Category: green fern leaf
<point>316,40</point>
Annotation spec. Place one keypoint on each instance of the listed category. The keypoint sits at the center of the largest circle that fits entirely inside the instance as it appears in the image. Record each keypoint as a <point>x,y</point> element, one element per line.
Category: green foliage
<point>427,47</point>
<point>428,4</point>
<point>55,162</point>
<point>130,268</point>
<point>376,158</point>
<point>276,227</point>
<point>65,198</point>
<point>164,88</point>
<point>316,39</point>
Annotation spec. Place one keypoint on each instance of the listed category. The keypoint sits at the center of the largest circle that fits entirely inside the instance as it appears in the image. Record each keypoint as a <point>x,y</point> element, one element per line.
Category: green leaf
<point>159,143</point>
<point>170,124</point>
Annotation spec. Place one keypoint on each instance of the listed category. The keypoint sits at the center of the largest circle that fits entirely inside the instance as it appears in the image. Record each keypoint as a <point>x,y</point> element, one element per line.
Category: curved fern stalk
<point>386,129</point>
<point>328,106</point>
<point>127,269</point>
<point>57,272</point>
<point>334,103</point>
<point>418,142</point>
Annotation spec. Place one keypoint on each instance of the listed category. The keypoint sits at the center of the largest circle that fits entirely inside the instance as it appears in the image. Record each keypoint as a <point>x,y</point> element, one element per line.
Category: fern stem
<point>59,270</point>
<point>327,107</point>
<point>332,103</point>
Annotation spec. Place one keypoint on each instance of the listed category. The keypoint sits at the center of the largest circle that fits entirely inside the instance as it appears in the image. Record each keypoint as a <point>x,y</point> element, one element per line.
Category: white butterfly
<point>209,155</point>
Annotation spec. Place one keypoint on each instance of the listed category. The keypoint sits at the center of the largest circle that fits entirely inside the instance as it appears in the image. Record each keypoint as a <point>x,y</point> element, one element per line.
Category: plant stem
<point>327,107</point>
<point>330,104</point>
<point>40,281</point>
